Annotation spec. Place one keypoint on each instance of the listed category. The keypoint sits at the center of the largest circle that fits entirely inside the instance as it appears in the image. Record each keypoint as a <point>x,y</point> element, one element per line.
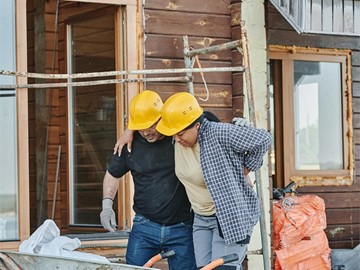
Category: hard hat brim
<point>160,127</point>
<point>140,126</point>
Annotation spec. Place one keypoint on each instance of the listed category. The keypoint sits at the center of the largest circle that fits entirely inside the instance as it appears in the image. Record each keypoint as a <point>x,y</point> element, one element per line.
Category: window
<point>309,105</point>
<point>14,168</point>
<point>9,215</point>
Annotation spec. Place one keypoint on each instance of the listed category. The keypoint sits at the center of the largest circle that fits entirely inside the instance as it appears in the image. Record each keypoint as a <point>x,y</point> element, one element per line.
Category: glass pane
<point>318,116</point>
<point>9,219</point>
<point>93,116</point>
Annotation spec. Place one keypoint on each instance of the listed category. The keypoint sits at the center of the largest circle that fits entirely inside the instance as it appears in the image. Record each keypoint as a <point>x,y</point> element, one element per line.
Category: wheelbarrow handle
<point>159,257</point>
<point>220,261</point>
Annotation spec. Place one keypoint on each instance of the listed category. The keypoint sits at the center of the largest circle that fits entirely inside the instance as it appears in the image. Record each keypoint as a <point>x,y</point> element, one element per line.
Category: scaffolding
<point>188,78</point>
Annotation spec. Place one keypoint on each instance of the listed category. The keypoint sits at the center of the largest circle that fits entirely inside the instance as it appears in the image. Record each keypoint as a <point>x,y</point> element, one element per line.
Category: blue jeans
<point>148,238</point>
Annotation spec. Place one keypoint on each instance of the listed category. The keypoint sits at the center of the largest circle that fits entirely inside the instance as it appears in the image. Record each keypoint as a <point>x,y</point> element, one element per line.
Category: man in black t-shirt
<point>163,219</point>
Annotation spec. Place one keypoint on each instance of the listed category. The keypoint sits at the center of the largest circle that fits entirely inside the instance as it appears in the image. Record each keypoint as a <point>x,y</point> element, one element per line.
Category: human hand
<point>107,215</point>
<point>242,122</point>
<point>126,138</point>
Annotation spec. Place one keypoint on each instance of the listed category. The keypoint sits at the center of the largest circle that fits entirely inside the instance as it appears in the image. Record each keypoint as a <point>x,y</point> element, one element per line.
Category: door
<point>92,112</point>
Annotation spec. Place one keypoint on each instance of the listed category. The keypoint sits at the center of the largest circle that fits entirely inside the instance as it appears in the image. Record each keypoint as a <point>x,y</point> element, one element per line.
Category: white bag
<point>44,234</point>
<point>46,240</point>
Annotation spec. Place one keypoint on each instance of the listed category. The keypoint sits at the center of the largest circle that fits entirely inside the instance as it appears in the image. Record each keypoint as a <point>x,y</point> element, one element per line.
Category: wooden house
<point>57,141</point>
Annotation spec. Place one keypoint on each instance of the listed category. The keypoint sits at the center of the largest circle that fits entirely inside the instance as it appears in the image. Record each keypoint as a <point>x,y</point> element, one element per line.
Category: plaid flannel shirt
<point>225,150</point>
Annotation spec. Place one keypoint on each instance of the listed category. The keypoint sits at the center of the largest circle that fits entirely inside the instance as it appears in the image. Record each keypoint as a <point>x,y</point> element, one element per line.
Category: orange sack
<point>313,253</point>
<point>299,240</point>
<point>301,216</point>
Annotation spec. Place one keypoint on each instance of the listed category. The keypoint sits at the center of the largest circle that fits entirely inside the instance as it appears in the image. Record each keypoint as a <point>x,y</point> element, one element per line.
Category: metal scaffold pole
<point>188,64</point>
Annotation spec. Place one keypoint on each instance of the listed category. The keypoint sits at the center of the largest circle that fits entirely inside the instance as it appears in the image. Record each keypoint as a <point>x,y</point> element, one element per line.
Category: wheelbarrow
<point>12,260</point>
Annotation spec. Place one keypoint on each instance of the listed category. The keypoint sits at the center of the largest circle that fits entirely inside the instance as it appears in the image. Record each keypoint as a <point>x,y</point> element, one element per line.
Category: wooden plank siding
<point>206,24</point>
<point>342,202</point>
<point>237,60</point>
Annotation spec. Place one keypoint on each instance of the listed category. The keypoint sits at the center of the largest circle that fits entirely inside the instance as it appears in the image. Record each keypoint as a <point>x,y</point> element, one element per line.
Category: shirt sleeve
<point>253,143</point>
<point>117,167</point>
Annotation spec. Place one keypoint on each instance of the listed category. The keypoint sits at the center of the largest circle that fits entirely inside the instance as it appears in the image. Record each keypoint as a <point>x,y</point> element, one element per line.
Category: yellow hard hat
<point>179,111</point>
<point>145,110</point>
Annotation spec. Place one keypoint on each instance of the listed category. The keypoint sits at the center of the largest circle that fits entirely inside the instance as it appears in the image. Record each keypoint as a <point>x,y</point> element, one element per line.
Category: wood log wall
<point>210,23</point>
<point>342,202</point>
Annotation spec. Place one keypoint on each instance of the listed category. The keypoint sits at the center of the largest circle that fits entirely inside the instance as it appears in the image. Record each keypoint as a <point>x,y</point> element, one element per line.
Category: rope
<point>203,79</point>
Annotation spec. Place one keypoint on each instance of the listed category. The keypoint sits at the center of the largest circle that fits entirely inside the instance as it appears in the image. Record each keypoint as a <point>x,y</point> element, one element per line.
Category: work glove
<point>242,122</point>
<point>107,215</point>
<point>249,181</point>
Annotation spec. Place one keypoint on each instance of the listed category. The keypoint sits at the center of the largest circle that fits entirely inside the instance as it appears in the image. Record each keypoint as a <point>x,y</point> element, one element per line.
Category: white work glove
<point>242,122</point>
<point>249,181</point>
<point>107,215</point>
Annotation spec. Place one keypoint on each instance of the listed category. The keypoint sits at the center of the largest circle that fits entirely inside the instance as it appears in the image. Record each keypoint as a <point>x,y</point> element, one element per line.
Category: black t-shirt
<point>159,195</point>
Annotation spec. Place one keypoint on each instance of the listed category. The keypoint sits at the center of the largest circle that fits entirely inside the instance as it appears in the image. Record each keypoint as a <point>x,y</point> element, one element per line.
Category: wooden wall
<point>210,23</point>
<point>237,60</point>
<point>342,202</point>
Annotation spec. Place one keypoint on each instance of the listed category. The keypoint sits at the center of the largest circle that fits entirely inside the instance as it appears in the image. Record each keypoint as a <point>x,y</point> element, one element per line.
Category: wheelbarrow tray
<point>29,261</point>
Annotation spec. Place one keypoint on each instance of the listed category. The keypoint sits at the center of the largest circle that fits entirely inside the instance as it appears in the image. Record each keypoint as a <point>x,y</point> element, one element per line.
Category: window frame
<point>22,127</point>
<point>287,55</point>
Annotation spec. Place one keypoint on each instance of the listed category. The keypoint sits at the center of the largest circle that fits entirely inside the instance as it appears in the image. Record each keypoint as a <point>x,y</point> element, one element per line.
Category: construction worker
<point>212,160</point>
<point>163,220</point>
